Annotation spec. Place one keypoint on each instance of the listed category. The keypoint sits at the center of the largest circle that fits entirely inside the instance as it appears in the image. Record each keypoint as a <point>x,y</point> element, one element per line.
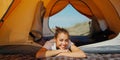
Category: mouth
<point>63,47</point>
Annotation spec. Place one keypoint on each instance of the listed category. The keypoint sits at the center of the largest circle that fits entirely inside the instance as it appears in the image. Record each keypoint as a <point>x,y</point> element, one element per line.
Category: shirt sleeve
<point>48,45</point>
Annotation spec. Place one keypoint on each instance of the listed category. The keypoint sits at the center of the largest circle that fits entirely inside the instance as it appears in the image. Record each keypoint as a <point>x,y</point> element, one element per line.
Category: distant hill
<point>78,29</point>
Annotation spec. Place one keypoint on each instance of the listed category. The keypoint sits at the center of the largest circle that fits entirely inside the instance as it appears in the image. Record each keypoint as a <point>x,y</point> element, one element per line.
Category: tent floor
<point>89,57</point>
<point>19,49</point>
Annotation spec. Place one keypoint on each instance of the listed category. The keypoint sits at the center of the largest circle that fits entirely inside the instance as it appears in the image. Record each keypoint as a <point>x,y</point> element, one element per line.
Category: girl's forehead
<point>63,36</point>
<point>62,33</point>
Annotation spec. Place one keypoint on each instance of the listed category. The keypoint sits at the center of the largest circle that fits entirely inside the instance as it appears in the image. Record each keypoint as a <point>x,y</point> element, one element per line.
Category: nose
<point>64,43</point>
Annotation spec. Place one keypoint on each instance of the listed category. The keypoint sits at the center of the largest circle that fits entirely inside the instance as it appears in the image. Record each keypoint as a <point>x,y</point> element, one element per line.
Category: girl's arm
<point>43,52</point>
<point>75,52</point>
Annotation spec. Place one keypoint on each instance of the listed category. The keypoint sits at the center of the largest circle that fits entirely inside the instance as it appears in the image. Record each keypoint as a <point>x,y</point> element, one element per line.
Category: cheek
<point>58,42</point>
<point>67,43</point>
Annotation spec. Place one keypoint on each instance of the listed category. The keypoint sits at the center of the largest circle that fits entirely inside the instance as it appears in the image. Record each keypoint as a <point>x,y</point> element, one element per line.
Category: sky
<point>67,17</point>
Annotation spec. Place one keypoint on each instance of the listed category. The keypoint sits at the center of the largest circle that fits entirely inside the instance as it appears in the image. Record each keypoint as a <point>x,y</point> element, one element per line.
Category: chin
<point>63,48</point>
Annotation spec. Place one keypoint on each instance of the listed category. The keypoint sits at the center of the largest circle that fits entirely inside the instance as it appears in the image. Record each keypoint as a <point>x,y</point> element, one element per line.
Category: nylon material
<point>110,15</point>
<point>58,7</point>
<point>4,5</point>
<point>116,4</point>
<point>18,24</point>
<point>14,5</point>
<point>81,7</point>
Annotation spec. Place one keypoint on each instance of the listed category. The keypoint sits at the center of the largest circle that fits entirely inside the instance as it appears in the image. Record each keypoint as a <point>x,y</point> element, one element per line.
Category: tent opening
<point>70,19</point>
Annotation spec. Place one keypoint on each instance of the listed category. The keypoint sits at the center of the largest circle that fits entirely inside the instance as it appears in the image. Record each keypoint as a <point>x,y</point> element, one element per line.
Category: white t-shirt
<point>51,45</point>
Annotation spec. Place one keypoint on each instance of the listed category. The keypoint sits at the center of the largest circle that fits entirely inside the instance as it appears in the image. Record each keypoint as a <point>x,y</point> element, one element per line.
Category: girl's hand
<point>62,51</point>
<point>64,54</point>
<point>60,54</point>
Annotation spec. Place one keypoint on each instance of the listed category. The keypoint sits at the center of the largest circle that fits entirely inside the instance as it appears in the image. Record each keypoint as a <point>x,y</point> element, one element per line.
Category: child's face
<point>62,41</point>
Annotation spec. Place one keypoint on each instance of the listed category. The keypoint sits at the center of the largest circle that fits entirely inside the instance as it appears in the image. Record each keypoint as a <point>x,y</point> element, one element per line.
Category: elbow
<point>81,56</point>
<point>84,56</point>
<point>38,56</point>
<point>40,53</point>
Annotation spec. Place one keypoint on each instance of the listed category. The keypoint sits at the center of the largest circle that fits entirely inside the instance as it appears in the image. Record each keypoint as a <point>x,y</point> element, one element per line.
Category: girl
<point>60,45</point>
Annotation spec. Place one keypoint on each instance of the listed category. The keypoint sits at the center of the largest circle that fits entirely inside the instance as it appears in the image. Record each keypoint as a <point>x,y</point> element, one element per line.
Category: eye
<point>61,40</point>
<point>66,40</point>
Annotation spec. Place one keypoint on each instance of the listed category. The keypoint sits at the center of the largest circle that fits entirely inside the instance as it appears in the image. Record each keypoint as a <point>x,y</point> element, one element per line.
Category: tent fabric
<point>4,6</point>
<point>116,5</point>
<point>3,9</point>
<point>110,15</point>
<point>94,9</point>
<point>36,29</point>
<point>81,7</point>
<point>94,26</point>
<point>17,26</point>
<point>57,7</point>
<point>78,5</point>
<point>14,4</point>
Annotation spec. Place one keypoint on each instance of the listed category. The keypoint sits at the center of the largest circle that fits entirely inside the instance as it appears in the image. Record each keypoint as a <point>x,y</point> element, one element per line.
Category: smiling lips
<point>63,46</point>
